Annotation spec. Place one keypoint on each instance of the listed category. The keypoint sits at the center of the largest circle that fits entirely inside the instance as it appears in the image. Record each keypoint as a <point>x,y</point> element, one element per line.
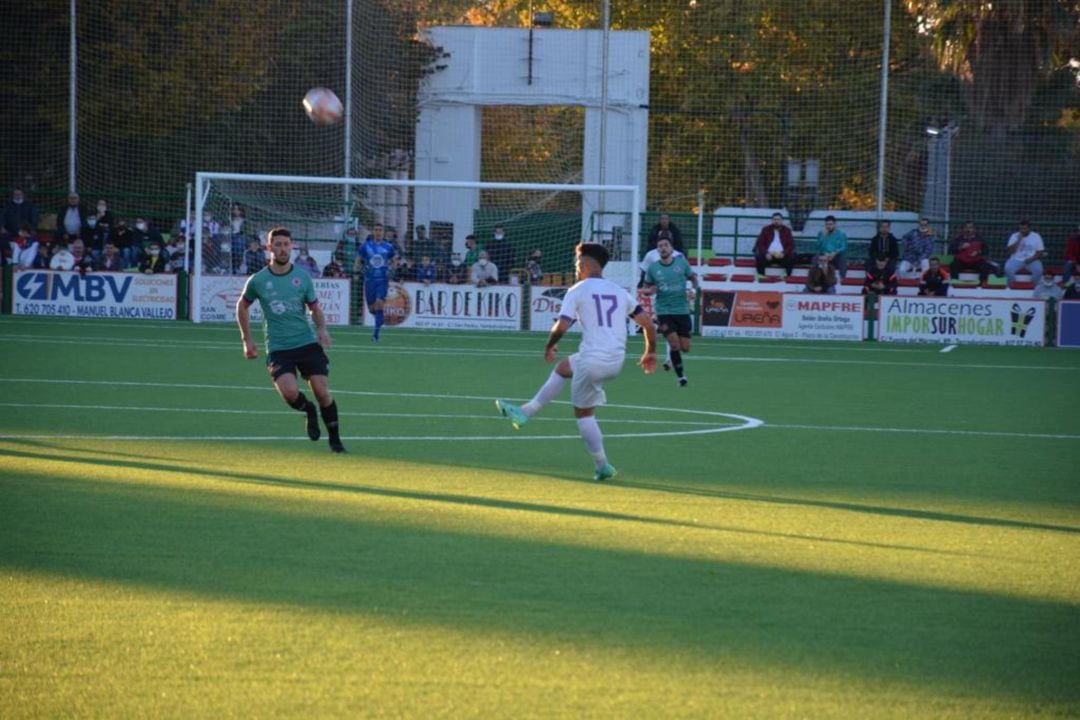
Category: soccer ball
<point>323,106</point>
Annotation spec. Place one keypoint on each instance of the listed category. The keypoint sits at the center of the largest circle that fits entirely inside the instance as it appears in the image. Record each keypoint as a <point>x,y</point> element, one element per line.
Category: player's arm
<point>243,319</point>
<point>648,358</point>
<point>317,317</point>
<point>557,331</point>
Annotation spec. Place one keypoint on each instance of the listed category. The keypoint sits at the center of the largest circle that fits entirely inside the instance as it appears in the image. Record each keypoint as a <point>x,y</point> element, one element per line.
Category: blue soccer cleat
<point>606,472</point>
<point>509,410</point>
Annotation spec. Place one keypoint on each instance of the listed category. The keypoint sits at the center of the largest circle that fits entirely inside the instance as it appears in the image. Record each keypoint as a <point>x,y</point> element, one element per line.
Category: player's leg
<point>679,339</point>
<point>586,394</point>
<point>662,330</point>
<point>328,409</point>
<point>379,290</point>
<point>547,392</point>
<point>282,367</point>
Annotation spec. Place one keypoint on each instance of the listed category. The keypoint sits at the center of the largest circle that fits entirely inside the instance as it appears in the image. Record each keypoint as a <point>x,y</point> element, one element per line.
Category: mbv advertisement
<point>981,321</point>
<point>102,294</point>
<point>441,305</point>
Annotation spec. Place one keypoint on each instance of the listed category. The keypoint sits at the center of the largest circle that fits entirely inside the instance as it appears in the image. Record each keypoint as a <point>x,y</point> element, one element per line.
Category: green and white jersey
<point>284,299</point>
<point>670,281</point>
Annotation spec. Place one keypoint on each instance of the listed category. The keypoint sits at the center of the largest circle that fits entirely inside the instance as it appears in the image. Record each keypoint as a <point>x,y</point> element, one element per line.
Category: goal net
<point>440,229</point>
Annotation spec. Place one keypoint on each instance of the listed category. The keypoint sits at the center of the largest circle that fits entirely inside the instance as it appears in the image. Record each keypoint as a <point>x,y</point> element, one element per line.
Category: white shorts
<point>587,383</point>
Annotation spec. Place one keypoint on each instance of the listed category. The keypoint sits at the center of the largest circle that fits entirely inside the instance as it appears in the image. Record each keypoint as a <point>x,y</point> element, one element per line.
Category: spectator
<point>1048,289</point>
<point>153,262</point>
<point>967,251</point>
<point>775,246</point>
<point>347,247</point>
<point>71,218</point>
<point>832,246</point>
<point>664,224</point>
<point>472,253</point>
<point>127,243</point>
<point>443,253</point>
<point>24,248</point>
<point>885,245</point>
<point>333,269</point>
<point>880,278</point>
<point>402,269</point>
<point>19,211</point>
<point>533,271</point>
<point>175,252</point>
<point>822,276</point>
<point>144,235</point>
<point>305,262</point>
<point>1025,250</point>
<point>456,270</point>
<point>918,247</point>
<point>101,227</point>
<point>500,252</point>
<point>935,279</point>
<point>62,259</point>
<point>1072,257</point>
<point>484,272</point>
<point>45,253</point>
<point>653,256</point>
<point>83,260</point>
<point>422,244</point>
<point>426,272</point>
<point>237,219</point>
<point>1072,292</point>
<point>254,257</point>
<point>111,259</point>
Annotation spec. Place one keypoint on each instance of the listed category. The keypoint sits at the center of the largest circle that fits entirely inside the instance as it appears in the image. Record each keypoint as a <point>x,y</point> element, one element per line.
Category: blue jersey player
<point>376,255</point>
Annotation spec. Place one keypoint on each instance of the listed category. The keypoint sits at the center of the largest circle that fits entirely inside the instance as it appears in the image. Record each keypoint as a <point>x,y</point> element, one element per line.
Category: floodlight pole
<point>73,99</point>
<point>883,117</point>
<point>348,101</point>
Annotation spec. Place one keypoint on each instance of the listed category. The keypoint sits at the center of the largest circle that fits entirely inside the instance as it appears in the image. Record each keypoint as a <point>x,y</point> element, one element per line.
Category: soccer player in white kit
<point>601,307</point>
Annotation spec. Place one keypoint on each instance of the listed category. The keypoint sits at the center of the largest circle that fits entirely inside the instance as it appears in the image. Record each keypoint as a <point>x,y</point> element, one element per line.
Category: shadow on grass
<point>954,641</point>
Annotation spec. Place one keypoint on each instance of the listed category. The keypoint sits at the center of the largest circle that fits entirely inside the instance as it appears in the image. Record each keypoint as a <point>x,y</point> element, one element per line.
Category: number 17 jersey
<point>601,307</point>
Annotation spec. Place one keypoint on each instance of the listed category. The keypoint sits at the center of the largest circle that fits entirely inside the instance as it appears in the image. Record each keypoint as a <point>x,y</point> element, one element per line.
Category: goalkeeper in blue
<point>601,307</point>
<point>666,278</point>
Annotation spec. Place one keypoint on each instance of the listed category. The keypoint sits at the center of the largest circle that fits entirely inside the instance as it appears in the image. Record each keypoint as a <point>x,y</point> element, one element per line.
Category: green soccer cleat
<point>509,410</point>
<point>606,472</point>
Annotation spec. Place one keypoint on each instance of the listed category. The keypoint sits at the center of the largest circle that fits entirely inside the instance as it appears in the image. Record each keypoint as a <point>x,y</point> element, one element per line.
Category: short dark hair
<point>595,251</point>
<point>778,215</point>
<point>1025,221</point>
<point>278,230</point>
<point>830,218</point>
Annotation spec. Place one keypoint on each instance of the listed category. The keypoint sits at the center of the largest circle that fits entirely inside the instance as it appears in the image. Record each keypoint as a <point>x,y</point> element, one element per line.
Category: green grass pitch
<point>805,531</point>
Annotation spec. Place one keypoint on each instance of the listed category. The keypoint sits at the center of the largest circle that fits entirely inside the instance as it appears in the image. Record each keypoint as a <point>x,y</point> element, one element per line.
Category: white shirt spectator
<point>62,259</point>
<point>602,308</point>
<point>1029,245</point>
<point>654,256</point>
<point>484,272</point>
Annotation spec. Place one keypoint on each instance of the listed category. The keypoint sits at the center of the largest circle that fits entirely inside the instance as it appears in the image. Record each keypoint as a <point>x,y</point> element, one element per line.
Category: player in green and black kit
<point>667,279</point>
<point>283,291</point>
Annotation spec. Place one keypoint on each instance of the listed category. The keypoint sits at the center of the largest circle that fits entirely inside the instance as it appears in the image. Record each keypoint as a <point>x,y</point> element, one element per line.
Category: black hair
<point>596,251</point>
<point>279,230</point>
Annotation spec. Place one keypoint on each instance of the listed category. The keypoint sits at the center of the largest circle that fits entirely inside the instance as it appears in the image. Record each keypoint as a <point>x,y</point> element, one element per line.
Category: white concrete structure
<point>500,66</point>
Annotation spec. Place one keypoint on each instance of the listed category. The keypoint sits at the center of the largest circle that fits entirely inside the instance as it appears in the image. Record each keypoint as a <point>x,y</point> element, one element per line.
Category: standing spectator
<point>443,254</point>
<point>533,271</point>
<point>880,278</point>
<point>426,272</point>
<point>885,245</point>
<point>71,218</point>
<point>472,252</point>
<point>1025,250</point>
<point>822,277</point>
<point>237,218</point>
<point>24,248</point>
<point>100,227</point>
<point>918,247</point>
<point>347,248</point>
<point>967,251</point>
<point>422,244</point>
<point>484,272</point>
<point>935,279</point>
<point>499,251</point>
<point>175,252</point>
<point>62,259</point>
<point>333,269</point>
<point>664,224</point>
<point>152,262</point>
<point>305,262</point>
<point>775,246</point>
<point>832,246</point>
<point>111,259</point>
<point>254,257</point>
<point>1072,257</point>
<point>19,211</point>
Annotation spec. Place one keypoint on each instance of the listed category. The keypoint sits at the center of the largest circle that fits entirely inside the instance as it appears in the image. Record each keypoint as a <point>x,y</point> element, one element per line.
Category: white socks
<point>547,392</point>
<point>594,439</point>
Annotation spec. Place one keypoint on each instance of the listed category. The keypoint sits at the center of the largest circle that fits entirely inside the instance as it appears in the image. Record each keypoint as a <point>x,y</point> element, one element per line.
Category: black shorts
<point>308,359</point>
<point>678,324</point>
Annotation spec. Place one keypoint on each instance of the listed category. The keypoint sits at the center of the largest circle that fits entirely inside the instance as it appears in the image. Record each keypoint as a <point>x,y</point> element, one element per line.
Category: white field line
<point>924,431</point>
<point>948,349</point>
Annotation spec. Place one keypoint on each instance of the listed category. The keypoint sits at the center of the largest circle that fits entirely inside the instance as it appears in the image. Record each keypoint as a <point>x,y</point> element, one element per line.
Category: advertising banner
<point>220,293</point>
<point>544,306</point>
<point>94,294</point>
<point>981,321</point>
<point>781,316</point>
<point>445,306</point>
<point>1068,324</point>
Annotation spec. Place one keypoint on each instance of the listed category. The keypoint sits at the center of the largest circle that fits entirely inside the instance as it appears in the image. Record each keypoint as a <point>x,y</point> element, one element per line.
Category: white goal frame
<point>203,180</point>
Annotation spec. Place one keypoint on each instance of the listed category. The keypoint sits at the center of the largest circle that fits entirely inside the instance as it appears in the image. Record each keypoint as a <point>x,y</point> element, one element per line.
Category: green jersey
<point>283,299</point>
<point>670,281</point>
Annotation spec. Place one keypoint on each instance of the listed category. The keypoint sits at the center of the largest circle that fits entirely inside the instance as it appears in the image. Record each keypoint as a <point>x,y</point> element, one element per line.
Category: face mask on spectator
<point>17,201</point>
<point>141,226</point>
<point>102,207</point>
<point>226,247</point>
<point>154,252</point>
<point>92,222</point>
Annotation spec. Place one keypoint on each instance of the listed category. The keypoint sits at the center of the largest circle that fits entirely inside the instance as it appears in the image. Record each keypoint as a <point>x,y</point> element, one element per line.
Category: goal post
<point>423,218</point>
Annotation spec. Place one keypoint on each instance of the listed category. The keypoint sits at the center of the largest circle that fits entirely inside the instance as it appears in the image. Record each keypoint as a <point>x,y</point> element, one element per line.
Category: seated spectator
<point>62,259</point>
<point>1072,257</point>
<point>484,272</point>
<point>1047,289</point>
<point>401,269</point>
<point>1025,250</point>
<point>101,227</point>
<point>499,250</point>
<point>333,269</point>
<point>131,250</point>
<point>44,256</point>
<point>254,257</point>
<point>885,245</point>
<point>111,259</point>
<point>967,249</point>
<point>832,245</point>
<point>153,262</point>
<point>935,279</point>
<point>822,276</point>
<point>175,252</point>
<point>918,247</point>
<point>305,262</point>
<point>84,261</point>
<point>24,248</point>
<point>880,278</point>
<point>426,272</point>
<point>1072,292</point>
<point>142,237</point>
<point>533,271</point>
<point>456,270</point>
<point>472,252</point>
<point>775,246</point>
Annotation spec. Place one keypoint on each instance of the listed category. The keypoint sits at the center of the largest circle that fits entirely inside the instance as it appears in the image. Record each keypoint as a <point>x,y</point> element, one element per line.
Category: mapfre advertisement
<point>94,294</point>
<point>440,305</point>
<point>220,293</point>
<point>981,321</point>
<point>781,316</point>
